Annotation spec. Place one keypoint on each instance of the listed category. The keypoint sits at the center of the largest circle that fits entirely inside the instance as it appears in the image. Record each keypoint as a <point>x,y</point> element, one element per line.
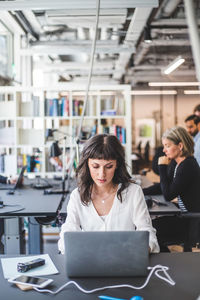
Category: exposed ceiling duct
<point>60,38</point>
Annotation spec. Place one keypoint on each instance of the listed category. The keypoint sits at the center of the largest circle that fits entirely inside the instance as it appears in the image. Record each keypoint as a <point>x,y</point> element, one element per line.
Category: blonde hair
<point>178,135</point>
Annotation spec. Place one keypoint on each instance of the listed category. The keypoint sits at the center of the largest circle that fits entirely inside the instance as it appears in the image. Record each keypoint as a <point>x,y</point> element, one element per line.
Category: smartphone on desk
<point>39,282</point>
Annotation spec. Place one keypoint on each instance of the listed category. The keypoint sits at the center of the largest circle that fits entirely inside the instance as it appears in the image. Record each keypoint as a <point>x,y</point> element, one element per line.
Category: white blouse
<point>130,214</point>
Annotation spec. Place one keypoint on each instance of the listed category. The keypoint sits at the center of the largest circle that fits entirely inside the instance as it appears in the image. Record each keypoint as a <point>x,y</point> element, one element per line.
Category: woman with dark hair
<point>106,198</point>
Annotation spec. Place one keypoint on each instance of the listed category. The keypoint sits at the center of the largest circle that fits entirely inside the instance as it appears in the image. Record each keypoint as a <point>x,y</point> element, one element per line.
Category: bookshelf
<point>27,113</point>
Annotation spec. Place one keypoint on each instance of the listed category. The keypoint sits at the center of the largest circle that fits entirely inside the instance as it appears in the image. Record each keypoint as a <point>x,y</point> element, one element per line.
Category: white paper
<point>9,266</point>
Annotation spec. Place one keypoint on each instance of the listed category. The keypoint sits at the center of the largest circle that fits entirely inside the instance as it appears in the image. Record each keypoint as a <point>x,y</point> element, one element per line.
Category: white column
<point>194,34</point>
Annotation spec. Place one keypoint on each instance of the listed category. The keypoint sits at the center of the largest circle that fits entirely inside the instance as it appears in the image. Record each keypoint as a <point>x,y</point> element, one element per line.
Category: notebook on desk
<point>109,253</point>
<point>17,184</point>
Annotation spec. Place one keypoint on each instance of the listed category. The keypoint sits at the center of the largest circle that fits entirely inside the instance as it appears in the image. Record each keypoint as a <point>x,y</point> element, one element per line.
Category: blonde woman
<point>179,178</point>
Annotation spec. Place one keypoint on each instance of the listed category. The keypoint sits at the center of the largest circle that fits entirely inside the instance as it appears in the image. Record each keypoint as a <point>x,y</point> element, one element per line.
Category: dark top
<point>3,179</point>
<point>186,183</point>
<point>159,152</point>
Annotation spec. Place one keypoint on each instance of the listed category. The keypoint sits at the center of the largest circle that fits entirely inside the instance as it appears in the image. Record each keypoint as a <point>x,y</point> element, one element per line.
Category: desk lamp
<point>55,151</point>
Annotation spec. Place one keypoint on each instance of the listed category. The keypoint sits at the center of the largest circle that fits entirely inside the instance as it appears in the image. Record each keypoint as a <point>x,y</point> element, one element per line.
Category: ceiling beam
<point>171,22</point>
<point>156,75</point>
<point>10,23</point>
<point>135,29</point>
<point>74,49</point>
<point>87,21</point>
<point>190,12</point>
<point>83,72</point>
<point>30,16</point>
<point>149,73</point>
<point>76,43</point>
<point>86,12</point>
<point>65,66</point>
<point>73,4</point>
<point>144,47</point>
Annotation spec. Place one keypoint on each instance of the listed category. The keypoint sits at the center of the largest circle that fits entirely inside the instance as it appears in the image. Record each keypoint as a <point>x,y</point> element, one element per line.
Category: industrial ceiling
<point>59,37</point>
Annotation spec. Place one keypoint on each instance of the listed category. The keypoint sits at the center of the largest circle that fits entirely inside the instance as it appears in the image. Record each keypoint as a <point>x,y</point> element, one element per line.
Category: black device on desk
<point>24,267</point>
<point>11,189</point>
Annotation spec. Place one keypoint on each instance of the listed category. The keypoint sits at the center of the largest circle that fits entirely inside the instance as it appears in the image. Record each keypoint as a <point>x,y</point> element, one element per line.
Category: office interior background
<point>136,92</point>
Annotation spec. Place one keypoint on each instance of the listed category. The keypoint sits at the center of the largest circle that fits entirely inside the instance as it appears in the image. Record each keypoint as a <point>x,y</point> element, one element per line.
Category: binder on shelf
<point>2,167</point>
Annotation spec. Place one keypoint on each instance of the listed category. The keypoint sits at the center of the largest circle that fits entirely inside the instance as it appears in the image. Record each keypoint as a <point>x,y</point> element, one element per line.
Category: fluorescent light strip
<point>174,65</point>
<point>178,83</point>
<point>170,92</point>
<point>93,93</point>
<point>192,92</point>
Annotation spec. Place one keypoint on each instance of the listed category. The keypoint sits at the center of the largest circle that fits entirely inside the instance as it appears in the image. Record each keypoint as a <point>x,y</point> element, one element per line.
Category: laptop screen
<point>109,253</point>
<point>20,178</point>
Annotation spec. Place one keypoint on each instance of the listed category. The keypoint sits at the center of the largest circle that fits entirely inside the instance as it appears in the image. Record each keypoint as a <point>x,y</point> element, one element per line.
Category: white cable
<point>77,138</point>
<point>156,269</point>
<point>91,68</point>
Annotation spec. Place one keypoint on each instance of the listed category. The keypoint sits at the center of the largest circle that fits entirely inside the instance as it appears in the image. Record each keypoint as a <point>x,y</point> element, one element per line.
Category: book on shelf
<point>64,111</point>
<point>118,131</point>
<point>36,106</point>
<point>112,105</point>
<point>108,112</point>
<point>94,130</point>
<point>2,163</point>
<point>32,162</point>
<point>77,107</point>
<point>57,107</point>
<point>54,109</point>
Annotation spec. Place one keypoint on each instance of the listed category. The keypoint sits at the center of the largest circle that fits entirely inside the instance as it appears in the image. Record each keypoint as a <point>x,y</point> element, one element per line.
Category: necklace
<point>110,194</point>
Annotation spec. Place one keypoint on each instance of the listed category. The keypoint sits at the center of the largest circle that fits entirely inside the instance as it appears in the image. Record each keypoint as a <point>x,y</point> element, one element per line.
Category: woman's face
<point>171,150</point>
<point>102,171</point>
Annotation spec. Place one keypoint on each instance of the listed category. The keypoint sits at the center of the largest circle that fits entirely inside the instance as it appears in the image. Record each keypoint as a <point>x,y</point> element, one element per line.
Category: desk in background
<point>169,209</point>
<point>184,270</point>
<point>35,204</point>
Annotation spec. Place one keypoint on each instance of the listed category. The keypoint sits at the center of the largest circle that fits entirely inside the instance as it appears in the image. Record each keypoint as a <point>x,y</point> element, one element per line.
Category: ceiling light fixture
<point>176,83</point>
<point>174,65</point>
<point>145,92</point>
<point>192,92</point>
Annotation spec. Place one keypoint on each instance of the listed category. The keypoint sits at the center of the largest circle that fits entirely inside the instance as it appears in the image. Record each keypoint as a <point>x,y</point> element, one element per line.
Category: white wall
<point>167,110</point>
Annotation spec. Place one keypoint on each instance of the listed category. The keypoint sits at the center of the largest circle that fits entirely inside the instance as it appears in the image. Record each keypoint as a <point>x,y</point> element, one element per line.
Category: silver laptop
<point>108,253</point>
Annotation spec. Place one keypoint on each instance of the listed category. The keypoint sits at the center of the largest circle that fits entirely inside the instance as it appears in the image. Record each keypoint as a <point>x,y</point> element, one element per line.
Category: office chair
<point>191,237</point>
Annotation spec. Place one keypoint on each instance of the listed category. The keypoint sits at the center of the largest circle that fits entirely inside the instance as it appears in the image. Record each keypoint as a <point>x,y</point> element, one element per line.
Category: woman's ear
<point>181,146</point>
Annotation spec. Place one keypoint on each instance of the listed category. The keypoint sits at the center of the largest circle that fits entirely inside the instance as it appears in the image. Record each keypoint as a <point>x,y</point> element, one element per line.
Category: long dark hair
<point>107,147</point>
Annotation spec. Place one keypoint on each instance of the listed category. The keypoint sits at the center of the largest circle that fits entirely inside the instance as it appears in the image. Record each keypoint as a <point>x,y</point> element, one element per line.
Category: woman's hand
<point>13,180</point>
<point>163,160</point>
